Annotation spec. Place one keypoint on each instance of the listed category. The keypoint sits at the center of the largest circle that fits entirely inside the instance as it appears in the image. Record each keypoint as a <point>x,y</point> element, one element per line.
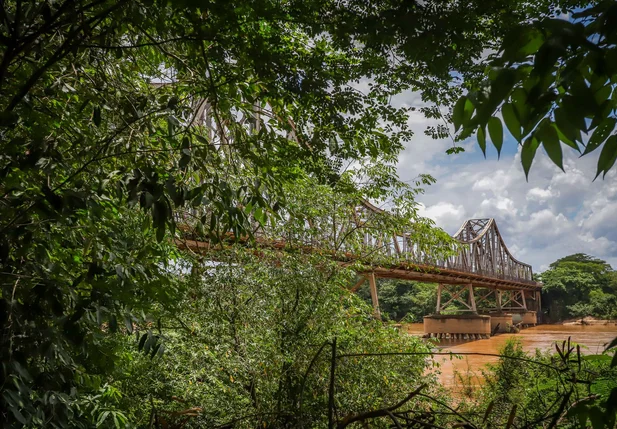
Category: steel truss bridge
<point>479,274</point>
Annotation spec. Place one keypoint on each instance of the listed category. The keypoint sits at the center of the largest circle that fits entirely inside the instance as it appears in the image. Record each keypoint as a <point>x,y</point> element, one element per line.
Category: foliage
<point>248,340</point>
<point>403,300</point>
<point>552,84</point>
<point>117,115</point>
<point>578,286</point>
<point>566,389</point>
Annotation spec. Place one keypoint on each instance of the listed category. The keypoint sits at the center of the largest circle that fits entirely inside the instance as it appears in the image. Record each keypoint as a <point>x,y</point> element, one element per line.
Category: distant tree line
<point>579,285</point>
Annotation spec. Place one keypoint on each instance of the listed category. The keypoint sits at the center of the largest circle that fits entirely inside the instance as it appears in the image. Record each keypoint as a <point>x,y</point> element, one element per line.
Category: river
<point>591,338</point>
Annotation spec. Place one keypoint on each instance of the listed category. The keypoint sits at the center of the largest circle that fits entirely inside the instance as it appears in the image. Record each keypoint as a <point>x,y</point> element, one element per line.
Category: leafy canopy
<point>552,84</point>
<point>114,115</point>
<point>579,285</point>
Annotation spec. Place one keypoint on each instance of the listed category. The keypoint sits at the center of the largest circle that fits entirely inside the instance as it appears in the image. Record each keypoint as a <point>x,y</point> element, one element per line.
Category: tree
<point>403,300</point>
<point>102,142</point>
<point>266,358</point>
<point>552,84</point>
<point>579,285</point>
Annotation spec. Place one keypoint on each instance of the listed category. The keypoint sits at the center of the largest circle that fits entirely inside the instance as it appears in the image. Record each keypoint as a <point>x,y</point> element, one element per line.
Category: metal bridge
<point>478,273</point>
<point>475,271</point>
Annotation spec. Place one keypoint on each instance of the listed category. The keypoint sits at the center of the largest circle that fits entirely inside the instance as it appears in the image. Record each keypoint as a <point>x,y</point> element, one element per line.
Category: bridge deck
<point>401,270</point>
<point>477,256</point>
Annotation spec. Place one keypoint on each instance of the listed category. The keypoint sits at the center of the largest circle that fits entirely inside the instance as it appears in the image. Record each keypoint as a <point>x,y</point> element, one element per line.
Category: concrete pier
<point>530,318</point>
<point>463,325</point>
<point>503,320</point>
<point>525,318</point>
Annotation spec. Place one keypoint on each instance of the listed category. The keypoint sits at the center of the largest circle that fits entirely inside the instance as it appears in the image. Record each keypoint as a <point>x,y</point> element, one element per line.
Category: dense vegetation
<point>577,286</point>
<point>523,390</point>
<point>403,300</point>
<point>118,119</point>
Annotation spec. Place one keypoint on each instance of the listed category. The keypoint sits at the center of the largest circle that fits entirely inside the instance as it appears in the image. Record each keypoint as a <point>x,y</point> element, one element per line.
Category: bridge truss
<point>480,259</point>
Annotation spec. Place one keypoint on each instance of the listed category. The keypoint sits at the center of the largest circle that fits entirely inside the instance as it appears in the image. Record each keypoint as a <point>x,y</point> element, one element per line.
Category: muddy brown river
<point>591,338</point>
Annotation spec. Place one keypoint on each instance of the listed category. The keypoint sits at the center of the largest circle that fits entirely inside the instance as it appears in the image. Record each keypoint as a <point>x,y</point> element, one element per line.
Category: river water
<point>591,338</point>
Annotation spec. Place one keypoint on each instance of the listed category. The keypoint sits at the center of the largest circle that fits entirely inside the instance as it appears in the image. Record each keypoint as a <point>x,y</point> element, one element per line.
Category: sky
<point>553,215</point>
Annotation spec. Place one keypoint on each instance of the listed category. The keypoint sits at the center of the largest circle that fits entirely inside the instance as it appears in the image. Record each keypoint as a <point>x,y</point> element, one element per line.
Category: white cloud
<point>540,195</point>
<point>446,215</point>
<point>553,215</point>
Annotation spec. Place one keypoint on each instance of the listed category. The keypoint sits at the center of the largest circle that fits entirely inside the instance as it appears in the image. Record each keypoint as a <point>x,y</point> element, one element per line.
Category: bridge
<point>476,272</point>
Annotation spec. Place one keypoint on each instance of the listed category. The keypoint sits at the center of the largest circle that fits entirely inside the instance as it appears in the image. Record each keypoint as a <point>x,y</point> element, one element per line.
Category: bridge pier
<point>458,326</point>
<point>501,310</point>
<point>525,318</point>
<point>500,322</point>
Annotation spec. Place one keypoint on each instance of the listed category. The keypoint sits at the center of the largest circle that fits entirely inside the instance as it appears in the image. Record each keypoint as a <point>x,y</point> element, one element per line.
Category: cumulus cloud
<point>552,215</point>
<point>448,216</point>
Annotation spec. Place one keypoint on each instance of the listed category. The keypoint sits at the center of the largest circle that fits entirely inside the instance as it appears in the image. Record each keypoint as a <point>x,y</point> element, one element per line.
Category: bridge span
<point>482,288</point>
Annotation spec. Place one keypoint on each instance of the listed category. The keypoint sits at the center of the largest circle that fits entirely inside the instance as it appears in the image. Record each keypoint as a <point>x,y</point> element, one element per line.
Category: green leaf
<point>155,350</point>
<point>102,418</point>
<point>567,128</point>
<point>501,87</point>
<point>511,416</point>
<point>150,342</point>
<point>512,122</point>
<point>455,150</point>
<point>160,233</point>
<point>606,161</point>
<point>579,411</point>
<point>528,153</point>
<point>113,323</point>
<point>572,114</point>
<point>96,116</point>
<point>487,413</point>
<point>482,140</point>
<point>172,123</point>
<point>603,94</point>
<point>21,371</point>
<point>458,112</point>
<point>521,42</point>
<point>600,134</point>
<point>564,139</point>
<point>548,136</point>
<point>596,415</point>
<point>142,341</point>
<point>19,416</point>
<point>612,344</point>
<point>128,322</point>
<point>495,130</point>
<point>468,111</point>
<point>159,217</point>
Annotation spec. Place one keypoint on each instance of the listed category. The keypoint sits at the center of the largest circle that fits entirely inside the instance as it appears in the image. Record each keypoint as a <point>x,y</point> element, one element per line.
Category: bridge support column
<point>472,299</point>
<point>373,287</point>
<point>484,302</point>
<point>514,300</point>
<point>456,293</point>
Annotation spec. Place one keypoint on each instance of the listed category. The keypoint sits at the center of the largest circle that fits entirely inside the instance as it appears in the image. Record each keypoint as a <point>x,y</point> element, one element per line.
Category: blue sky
<point>553,215</point>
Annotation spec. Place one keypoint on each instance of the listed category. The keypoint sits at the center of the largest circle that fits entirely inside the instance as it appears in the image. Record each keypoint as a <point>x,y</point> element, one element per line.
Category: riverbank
<point>588,320</point>
<point>592,338</point>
